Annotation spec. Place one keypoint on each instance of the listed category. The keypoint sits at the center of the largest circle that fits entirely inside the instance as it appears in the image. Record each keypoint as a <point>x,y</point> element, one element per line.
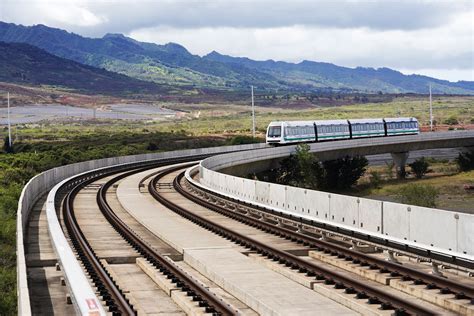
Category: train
<point>290,132</point>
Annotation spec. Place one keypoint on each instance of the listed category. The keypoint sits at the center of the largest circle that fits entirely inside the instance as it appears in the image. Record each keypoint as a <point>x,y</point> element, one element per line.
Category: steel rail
<point>432,281</point>
<point>108,290</point>
<point>340,281</point>
<point>198,292</point>
<point>112,295</point>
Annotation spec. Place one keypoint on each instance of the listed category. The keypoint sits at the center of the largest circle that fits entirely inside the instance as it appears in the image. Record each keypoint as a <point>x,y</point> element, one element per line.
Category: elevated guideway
<point>429,231</point>
<point>318,206</point>
<point>46,182</point>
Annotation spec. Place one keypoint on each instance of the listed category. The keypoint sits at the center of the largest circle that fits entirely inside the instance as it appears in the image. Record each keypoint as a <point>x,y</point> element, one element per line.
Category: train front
<point>274,133</point>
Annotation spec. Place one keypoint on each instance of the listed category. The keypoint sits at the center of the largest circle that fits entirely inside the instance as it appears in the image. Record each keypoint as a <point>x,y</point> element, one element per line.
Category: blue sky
<point>435,37</point>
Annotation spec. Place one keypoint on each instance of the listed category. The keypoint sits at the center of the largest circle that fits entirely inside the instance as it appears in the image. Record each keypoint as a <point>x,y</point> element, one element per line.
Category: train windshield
<point>274,131</point>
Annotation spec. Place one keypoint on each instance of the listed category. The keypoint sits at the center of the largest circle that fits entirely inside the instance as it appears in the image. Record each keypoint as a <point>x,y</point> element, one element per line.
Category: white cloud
<point>430,36</point>
<point>55,13</point>
<point>445,74</point>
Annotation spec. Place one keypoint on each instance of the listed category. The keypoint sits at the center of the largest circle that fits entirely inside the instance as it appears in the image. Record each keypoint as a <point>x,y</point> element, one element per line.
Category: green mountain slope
<point>27,64</point>
<point>173,64</point>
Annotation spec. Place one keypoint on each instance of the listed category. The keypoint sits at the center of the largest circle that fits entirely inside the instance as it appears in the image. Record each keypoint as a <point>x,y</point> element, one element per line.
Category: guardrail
<point>448,233</point>
<point>45,181</point>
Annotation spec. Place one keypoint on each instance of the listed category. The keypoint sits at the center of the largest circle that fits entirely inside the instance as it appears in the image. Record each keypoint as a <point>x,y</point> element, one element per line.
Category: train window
<point>274,131</point>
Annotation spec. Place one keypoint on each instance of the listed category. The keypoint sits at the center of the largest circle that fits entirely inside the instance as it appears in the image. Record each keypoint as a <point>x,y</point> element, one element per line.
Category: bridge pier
<point>400,159</point>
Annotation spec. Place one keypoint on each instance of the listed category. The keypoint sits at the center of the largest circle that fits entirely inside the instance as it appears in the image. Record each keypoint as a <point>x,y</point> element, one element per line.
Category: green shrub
<point>243,139</point>
<point>452,120</point>
<point>419,167</point>
<point>418,194</point>
<point>389,167</point>
<point>375,179</point>
<point>465,161</point>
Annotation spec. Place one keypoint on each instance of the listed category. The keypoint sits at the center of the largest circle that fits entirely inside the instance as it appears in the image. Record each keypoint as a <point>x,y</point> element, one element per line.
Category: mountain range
<point>26,64</point>
<point>172,64</point>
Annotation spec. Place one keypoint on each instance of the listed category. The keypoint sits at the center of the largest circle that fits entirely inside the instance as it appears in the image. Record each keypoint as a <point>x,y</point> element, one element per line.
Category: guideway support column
<point>400,159</point>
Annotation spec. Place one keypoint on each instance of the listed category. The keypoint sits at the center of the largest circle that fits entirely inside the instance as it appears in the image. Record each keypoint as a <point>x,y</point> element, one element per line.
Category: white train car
<point>290,132</point>
<point>401,126</point>
<point>367,128</point>
<point>332,130</point>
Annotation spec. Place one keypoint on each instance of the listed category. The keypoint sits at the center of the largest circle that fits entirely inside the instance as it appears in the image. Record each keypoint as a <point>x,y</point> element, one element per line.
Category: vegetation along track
<point>432,281</point>
<point>112,295</point>
<point>360,289</point>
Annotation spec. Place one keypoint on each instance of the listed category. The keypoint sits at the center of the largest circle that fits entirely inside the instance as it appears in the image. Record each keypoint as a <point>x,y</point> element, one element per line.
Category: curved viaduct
<point>399,147</point>
<point>246,190</point>
<point>449,233</point>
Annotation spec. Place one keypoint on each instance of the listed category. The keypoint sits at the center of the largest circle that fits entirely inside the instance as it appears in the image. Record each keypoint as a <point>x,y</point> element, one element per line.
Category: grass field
<point>237,119</point>
<point>443,175</point>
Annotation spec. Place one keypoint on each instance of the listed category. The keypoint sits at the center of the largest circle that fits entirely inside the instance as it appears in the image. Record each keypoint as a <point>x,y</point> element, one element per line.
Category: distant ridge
<point>30,65</point>
<point>175,65</point>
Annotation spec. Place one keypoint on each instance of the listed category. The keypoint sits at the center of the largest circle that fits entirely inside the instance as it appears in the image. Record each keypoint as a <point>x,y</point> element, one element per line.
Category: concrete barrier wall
<point>428,227</point>
<point>43,182</point>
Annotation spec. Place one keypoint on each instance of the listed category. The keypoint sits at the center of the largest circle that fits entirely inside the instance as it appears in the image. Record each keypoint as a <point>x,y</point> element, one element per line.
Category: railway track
<point>100,277</point>
<point>118,303</point>
<point>361,290</point>
<point>432,281</point>
<point>109,291</point>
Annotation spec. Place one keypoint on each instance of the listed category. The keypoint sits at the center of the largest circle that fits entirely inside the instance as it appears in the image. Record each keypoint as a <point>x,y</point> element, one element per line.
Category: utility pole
<point>431,112</point>
<point>253,114</point>
<point>9,124</point>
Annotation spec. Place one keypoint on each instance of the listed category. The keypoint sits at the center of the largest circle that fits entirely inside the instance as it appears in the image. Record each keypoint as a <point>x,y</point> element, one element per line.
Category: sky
<point>434,38</point>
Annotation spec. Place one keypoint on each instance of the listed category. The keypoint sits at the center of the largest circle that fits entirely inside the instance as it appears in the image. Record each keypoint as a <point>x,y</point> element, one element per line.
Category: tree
<point>342,173</point>
<point>288,171</point>
<point>465,161</point>
<point>418,194</point>
<point>302,169</point>
<point>6,146</point>
<point>419,167</point>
